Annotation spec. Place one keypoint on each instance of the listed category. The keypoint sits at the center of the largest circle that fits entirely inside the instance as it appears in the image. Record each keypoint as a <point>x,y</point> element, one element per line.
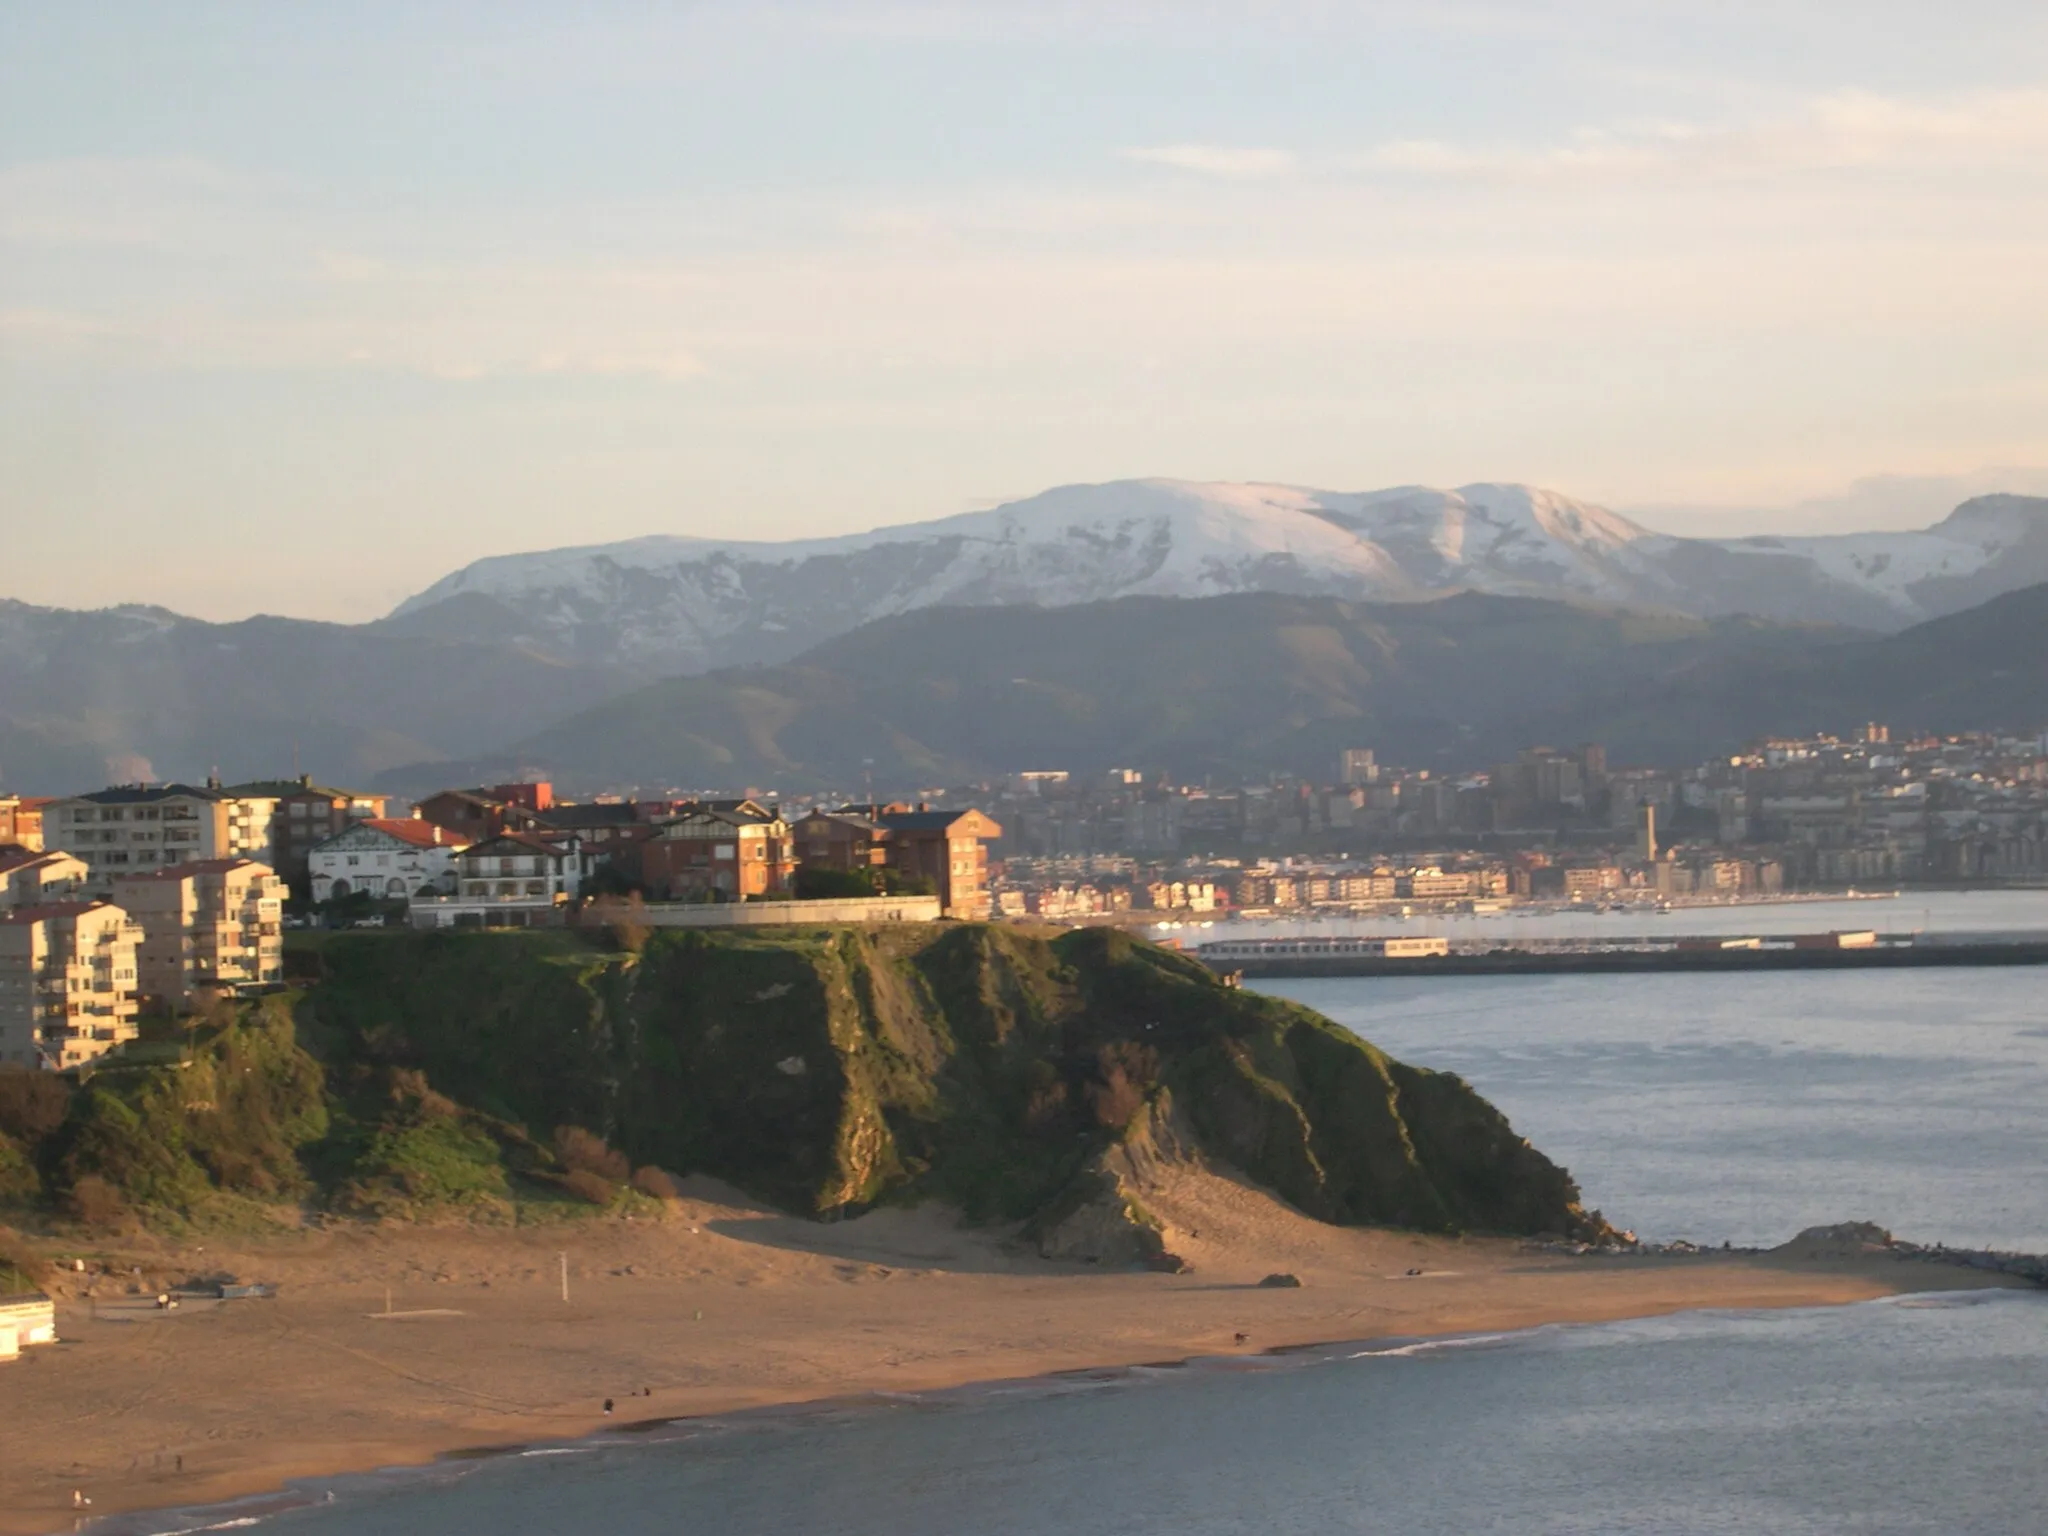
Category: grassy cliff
<point>1000,1069</point>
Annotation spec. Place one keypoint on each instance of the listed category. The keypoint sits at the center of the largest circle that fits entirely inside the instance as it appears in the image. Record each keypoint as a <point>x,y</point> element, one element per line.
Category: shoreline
<point>288,1492</point>
<point>720,1308</point>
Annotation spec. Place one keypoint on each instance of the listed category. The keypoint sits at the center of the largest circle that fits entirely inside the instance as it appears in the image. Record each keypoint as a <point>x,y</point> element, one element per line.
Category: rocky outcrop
<point>1024,1076</point>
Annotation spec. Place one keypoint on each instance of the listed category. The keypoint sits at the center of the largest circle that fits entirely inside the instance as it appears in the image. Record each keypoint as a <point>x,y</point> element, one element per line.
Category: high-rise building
<point>67,983</point>
<point>212,923</point>
<point>138,827</point>
<point>1358,766</point>
<point>1646,832</point>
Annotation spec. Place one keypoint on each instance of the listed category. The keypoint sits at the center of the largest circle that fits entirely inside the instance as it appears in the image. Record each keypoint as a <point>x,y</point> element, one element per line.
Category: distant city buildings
<point>159,896</point>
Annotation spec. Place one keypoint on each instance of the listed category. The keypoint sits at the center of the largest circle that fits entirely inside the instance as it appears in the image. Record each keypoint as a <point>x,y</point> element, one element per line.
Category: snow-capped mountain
<point>668,604</point>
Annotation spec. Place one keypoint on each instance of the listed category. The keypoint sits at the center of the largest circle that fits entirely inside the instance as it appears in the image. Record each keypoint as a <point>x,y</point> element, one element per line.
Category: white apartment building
<point>386,859</point>
<point>135,827</point>
<point>67,983</point>
<point>214,923</point>
<point>512,881</point>
<point>37,879</point>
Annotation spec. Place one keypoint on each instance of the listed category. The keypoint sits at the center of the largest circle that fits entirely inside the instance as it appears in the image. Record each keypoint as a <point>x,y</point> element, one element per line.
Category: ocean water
<point>1739,1107</point>
<point>1914,1415</point>
<point>1744,1107</point>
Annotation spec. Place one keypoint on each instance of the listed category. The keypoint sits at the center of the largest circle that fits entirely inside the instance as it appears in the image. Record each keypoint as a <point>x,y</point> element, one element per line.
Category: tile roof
<point>594,814</point>
<point>923,821</point>
<point>195,867</point>
<point>282,789</point>
<point>517,840</point>
<point>49,909</point>
<point>421,834</point>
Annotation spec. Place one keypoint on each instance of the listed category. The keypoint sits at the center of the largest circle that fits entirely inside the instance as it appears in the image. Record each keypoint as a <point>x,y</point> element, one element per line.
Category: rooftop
<point>20,916</point>
<point>148,794</point>
<point>594,814</point>
<point>280,789</point>
<point>420,834</point>
<point>195,867</point>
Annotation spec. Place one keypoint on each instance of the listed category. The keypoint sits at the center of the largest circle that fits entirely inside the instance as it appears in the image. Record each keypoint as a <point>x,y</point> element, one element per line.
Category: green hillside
<point>508,1076</point>
<point>1228,686</point>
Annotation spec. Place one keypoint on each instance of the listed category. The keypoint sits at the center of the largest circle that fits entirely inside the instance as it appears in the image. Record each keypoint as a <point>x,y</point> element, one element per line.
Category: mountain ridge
<point>665,603</point>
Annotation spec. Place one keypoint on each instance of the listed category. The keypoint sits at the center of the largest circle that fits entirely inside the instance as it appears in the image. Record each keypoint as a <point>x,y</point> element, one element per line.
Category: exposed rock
<point>1280,1281</point>
<point>1843,1240</point>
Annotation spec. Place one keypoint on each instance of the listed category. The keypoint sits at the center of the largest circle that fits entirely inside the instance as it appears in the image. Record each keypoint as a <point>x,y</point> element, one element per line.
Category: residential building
<point>1437,884</point>
<point>730,851</point>
<point>67,983</point>
<point>509,881</point>
<point>21,821</point>
<point>211,923</point>
<point>306,814</point>
<point>142,827</point>
<point>477,815</point>
<point>847,840</point>
<point>611,831</point>
<point>386,858</point>
<point>949,848</point>
<point>37,879</point>
<point>1358,766</point>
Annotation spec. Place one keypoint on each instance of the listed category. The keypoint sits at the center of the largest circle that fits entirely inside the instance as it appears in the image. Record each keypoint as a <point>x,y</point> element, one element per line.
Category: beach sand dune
<point>722,1305</point>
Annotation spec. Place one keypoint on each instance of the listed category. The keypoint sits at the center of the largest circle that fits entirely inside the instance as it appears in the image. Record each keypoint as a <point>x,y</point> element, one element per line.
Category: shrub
<point>96,1202</point>
<point>32,1104</point>
<point>21,1268</point>
<point>1128,1071</point>
<point>19,1182</point>
<point>583,1152</point>
<point>657,1183</point>
<point>585,1185</point>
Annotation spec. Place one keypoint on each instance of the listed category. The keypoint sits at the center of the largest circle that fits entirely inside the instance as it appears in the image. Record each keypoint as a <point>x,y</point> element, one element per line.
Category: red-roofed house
<point>386,858</point>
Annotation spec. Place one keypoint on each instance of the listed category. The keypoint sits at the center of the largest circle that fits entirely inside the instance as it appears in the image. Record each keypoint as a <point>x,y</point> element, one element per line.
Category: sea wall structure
<point>1618,955</point>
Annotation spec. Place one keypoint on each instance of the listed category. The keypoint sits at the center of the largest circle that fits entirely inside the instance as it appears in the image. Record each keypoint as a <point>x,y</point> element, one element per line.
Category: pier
<point>1415,955</point>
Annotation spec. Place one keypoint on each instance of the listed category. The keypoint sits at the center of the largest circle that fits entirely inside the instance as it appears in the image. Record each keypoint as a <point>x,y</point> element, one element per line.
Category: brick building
<point>212,923</point>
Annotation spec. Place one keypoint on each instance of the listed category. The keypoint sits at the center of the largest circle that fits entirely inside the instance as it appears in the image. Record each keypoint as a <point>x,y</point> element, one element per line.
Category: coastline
<point>722,1308</point>
<point>289,1491</point>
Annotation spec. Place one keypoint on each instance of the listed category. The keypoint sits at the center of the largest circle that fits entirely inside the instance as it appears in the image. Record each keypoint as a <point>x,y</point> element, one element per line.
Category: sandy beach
<point>720,1306</point>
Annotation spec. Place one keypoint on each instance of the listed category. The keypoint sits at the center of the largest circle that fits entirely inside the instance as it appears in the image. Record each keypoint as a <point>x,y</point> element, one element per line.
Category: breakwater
<point>1623,956</point>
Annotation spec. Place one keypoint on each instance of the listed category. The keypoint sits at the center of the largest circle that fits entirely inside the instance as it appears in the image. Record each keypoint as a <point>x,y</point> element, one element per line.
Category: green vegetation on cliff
<point>996,1068</point>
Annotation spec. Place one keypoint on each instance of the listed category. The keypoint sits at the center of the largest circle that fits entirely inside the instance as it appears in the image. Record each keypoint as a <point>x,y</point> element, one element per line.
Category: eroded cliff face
<point>1022,1075</point>
<point>985,1065</point>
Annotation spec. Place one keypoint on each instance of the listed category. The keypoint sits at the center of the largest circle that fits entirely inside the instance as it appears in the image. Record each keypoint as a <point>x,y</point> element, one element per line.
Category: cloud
<point>1215,160</point>
<point>1846,130</point>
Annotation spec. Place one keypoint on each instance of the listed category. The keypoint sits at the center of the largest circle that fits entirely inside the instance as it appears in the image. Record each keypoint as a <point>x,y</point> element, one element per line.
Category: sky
<point>302,307</point>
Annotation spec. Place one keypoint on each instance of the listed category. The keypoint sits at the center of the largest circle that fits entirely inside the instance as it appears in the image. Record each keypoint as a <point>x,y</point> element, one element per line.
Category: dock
<point>1629,954</point>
